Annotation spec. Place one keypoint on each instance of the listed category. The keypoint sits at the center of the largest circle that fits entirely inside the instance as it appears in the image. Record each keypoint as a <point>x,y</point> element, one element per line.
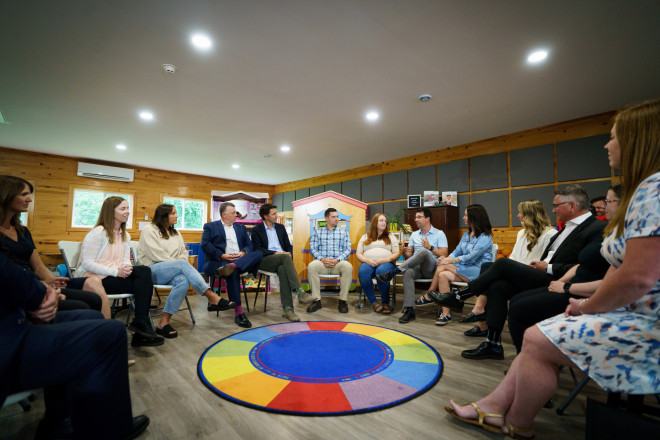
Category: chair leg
<point>572,396</point>
<point>192,318</point>
<point>256,295</point>
<point>266,291</point>
<point>247,304</point>
<point>393,291</point>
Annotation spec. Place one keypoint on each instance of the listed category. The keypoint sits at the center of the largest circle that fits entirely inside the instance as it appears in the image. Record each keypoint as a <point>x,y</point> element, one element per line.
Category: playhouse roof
<point>329,194</point>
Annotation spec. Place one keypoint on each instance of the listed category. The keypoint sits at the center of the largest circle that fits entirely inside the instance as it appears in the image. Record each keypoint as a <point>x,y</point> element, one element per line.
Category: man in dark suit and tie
<point>228,253</point>
<point>272,240</point>
<point>506,278</point>
<point>78,357</point>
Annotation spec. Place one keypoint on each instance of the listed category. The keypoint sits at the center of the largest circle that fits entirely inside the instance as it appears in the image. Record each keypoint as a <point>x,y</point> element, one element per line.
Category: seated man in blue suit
<point>78,357</point>
<point>272,240</point>
<point>228,253</point>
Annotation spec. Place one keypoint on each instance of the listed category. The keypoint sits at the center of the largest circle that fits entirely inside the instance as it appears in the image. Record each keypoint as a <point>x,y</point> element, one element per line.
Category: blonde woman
<point>377,251</point>
<point>531,241</point>
<point>106,253</point>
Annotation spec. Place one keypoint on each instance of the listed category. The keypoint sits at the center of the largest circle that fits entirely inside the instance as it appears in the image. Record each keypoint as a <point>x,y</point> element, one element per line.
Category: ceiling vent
<point>105,172</point>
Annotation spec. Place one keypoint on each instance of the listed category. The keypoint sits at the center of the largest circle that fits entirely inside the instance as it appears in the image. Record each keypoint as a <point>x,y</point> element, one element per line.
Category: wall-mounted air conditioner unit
<point>105,172</point>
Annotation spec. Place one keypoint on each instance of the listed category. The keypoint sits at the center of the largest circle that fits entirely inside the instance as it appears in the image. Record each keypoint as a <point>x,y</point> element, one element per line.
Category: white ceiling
<point>75,73</point>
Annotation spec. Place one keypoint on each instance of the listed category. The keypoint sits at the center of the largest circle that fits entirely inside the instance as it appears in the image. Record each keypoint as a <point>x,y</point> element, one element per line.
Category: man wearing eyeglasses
<point>506,278</point>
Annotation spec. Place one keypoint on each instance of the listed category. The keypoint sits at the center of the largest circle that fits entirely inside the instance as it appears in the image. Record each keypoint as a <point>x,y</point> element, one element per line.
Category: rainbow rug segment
<point>320,368</point>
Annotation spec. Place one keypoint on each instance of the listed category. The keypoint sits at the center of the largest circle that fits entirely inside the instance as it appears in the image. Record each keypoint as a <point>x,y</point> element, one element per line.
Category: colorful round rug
<point>320,368</point>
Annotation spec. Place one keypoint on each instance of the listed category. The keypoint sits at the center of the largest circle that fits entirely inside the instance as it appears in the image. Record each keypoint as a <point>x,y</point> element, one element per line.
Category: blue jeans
<point>180,274</point>
<point>366,273</point>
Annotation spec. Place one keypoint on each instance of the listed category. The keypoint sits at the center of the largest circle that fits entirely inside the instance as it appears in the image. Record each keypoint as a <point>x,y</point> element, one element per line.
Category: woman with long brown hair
<point>15,198</point>
<point>161,247</point>
<point>464,263</point>
<point>106,253</point>
<point>377,251</point>
<point>613,336</point>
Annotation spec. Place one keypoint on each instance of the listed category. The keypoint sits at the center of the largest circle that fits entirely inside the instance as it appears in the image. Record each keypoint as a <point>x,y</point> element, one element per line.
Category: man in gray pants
<point>426,245</point>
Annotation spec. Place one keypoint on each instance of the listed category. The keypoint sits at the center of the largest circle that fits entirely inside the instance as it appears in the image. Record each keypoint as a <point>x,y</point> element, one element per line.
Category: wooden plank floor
<point>165,386</point>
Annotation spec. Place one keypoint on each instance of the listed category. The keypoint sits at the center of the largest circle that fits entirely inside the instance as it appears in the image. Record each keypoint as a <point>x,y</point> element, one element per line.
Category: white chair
<point>167,287</point>
<point>330,277</point>
<point>70,251</point>
<point>23,398</point>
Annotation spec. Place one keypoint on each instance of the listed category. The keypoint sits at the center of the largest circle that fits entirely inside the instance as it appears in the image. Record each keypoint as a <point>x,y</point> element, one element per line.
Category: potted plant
<point>395,220</point>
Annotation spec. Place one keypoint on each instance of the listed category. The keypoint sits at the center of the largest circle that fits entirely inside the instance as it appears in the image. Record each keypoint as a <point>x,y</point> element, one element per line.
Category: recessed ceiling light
<point>235,166</point>
<point>537,56</point>
<point>121,146</point>
<point>372,116</point>
<point>267,156</point>
<point>201,41</point>
<point>146,116</point>
<point>285,148</point>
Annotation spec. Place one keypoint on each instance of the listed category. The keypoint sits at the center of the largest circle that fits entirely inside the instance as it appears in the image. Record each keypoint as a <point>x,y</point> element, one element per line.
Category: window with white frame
<point>87,206</point>
<point>192,213</point>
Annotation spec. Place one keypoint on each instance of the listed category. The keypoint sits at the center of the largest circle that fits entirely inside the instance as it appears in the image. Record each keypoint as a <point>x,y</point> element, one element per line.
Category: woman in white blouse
<point>377,250</point>
<point>531,241</point>
<point>161,247</point>
<point>106,253</point>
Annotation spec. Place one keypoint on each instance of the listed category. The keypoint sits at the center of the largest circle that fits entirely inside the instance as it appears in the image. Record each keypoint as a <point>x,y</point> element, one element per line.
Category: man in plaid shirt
<point>330,246</point>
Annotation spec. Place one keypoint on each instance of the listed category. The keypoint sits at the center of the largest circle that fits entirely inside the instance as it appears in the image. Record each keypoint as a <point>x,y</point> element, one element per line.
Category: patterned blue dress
<point>620,350</point>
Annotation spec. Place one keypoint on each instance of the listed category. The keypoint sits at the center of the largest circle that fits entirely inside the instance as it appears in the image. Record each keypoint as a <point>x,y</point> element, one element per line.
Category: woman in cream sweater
<point>161,247</point>
<point>377,250</point>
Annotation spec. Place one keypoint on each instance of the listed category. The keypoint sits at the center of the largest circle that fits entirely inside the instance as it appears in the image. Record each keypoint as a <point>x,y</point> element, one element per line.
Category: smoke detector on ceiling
<point>425,98</point>
<point>169,68</point>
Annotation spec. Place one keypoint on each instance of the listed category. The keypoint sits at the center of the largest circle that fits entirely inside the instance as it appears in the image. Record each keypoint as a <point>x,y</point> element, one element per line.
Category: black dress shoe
<point>242,321</point>
<point>476,331</point>
<point>222,305</point>
<point>471,317</point>
<point>485,350</point>
<point>343,306</point>
<point>142,341</point>
<point>408,315</point>
<point>140,423</point>
<point>225,270</point>
<point>313,307</point>
<point>142,329</point>
<point>446,300</point>
<point>386,277</point>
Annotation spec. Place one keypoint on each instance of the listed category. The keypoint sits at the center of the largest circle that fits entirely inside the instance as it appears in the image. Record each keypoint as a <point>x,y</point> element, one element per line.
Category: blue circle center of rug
<point>331,357</point>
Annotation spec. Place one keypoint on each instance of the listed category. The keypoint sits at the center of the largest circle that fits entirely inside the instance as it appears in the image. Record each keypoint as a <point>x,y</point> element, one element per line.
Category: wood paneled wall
<point>53,176</point>
<point>551,135</point>
<point>574,129</point>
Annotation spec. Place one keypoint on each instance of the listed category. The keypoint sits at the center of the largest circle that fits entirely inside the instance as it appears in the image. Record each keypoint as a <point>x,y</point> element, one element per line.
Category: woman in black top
<point>15,198</point>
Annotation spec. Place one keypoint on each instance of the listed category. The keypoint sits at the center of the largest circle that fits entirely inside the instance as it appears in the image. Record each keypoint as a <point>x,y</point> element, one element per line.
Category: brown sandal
<point>377,307</point>
<point>479,421</point>
<point>387,309</point>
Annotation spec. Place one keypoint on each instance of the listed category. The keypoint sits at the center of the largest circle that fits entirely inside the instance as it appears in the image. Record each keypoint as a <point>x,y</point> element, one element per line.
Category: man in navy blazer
<point>78,357</point>
<point>272,240</point>
<point>228,253</point>
<point>506,278</point>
